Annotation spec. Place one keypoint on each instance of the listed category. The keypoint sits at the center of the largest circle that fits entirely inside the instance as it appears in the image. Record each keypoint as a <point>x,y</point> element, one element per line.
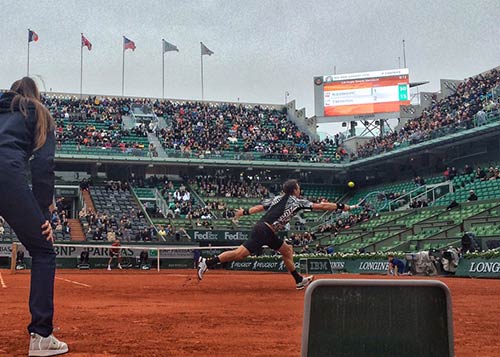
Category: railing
<point>250,155</point>
<point>432,193</point>
<point>406,198</point>
<point>144,211</point>
<point>160,201</point>
<point>259,156</point>
<point>453,128</point>
<point>221,155</point>
<point>429,192</point>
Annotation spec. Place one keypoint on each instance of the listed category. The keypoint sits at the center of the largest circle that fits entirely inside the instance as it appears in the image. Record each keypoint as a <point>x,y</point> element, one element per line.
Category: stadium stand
<point>99,126</point>
<point>182,208</point>
<point>487,189</point>
<point>420,229</point>
<point>117,215</point>
<point>95,126</point>
<point>250,132</point>
<point>452,113</point>
<point>59,221</point>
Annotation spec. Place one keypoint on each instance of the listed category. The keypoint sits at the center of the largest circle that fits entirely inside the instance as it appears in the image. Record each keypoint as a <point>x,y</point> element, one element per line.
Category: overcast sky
<point>261,48</point>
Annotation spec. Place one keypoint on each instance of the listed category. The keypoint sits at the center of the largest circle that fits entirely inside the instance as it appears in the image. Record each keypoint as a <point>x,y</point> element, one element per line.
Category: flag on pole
<point>205,50</point>
<point>86,43</point>
<point>168,47</point>
<point>32,36</point>
<point>128,44</point>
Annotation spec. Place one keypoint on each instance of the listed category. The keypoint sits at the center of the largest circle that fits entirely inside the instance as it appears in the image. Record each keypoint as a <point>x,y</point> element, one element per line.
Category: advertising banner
<point>479,268</point>
<point>315,265</point>
<point>227,236</point>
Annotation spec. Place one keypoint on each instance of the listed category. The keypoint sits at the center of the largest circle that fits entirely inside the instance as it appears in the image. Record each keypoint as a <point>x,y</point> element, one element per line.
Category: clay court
<point>136,313</point>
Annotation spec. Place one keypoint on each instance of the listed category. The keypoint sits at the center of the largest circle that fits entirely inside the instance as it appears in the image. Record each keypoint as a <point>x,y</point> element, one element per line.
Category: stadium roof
<point>416,84</point>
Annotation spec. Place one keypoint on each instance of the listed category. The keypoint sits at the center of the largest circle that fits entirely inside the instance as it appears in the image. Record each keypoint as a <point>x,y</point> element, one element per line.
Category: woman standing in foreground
<point>26,130</point>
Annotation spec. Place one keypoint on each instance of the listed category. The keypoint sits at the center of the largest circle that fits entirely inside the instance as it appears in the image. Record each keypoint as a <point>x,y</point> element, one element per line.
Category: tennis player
<point>27,129</point>
<point>115,252</point>
<point>279,211</point>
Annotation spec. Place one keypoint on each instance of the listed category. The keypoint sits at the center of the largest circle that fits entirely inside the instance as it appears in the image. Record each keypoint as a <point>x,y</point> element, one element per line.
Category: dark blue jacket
<point>17,140</point>
<point>399,264</point>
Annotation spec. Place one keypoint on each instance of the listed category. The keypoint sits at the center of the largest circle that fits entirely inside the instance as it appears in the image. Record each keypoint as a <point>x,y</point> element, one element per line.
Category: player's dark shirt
<point>281,209</point>
<point>399,264</point>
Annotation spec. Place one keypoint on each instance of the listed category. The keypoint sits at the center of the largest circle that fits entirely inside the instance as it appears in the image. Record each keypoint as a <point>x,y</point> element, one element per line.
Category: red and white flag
<point>86,43</point>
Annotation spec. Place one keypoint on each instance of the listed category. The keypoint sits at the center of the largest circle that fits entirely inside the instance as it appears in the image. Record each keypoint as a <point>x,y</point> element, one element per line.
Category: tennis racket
<point>374,202</point>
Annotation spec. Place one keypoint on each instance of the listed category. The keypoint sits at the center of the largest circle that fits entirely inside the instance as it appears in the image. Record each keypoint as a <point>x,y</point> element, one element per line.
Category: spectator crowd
<point>224,186</point>
<point>243,131</point>
<point>471,100</point>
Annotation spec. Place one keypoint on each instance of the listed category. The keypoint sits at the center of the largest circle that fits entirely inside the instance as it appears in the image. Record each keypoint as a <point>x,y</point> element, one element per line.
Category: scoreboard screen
<point>367,93</point>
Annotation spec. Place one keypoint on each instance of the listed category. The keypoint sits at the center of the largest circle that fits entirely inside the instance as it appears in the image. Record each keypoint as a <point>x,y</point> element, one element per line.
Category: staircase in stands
<point>87,200</point>
<point>77,234</point>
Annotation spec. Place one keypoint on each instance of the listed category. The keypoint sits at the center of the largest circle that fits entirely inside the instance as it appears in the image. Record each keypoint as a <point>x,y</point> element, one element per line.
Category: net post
<point>13,258</point>
<point>158,259</point>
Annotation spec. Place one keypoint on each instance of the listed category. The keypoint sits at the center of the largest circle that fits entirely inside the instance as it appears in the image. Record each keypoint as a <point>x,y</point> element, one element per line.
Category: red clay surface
<point>145,313</point>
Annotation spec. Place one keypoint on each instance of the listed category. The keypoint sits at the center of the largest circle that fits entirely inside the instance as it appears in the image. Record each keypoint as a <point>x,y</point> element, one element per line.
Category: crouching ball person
<point>279,211</point>
<point>27,130</point>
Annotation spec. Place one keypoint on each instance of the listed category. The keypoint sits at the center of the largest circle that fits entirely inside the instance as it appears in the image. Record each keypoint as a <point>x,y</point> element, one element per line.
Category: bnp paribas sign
<point>477,267</point>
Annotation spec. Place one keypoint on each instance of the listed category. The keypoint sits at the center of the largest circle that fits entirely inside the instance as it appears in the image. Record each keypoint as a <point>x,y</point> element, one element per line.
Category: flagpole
<point>81,66</point>
<point>28,54</point>
<point>162,70</point>
<point>123,71</point>
<point>202,93</point>
<point>404,54</point>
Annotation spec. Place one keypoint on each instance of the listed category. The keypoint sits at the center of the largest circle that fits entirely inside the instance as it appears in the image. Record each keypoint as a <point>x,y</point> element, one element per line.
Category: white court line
<point>74,282</point>
<point>2,282</point>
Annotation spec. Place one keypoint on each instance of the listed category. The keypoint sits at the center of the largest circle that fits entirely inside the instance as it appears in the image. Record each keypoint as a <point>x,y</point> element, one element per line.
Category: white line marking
<point>74,282</point>
<point>2,282</point>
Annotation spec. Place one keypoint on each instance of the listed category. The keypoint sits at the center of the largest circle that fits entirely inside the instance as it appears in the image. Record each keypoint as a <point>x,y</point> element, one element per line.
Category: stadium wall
<point>298,117</point>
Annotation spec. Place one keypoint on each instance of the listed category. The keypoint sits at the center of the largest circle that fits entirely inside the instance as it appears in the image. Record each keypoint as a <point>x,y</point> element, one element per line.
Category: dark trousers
<point>22,212</point>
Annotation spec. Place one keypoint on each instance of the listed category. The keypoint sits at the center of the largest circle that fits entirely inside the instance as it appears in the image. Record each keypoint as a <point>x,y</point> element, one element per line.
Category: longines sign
<point>488,268</point>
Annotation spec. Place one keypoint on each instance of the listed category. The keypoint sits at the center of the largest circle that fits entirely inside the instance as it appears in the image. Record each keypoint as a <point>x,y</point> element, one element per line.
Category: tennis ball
<point>351,184</point>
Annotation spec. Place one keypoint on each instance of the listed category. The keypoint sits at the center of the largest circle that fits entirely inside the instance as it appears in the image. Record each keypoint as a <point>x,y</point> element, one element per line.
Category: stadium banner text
<point>218,235</point>
<point>314,265</point>
<point>479,267</point>
<point>74,251</point>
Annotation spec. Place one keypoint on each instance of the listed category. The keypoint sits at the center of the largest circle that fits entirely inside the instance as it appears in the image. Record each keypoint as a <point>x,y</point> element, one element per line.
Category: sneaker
<point>306,280</point>
<point>119,266</point>
<point>46,346</point>
<point>109,268</point>
<point>202,267</point>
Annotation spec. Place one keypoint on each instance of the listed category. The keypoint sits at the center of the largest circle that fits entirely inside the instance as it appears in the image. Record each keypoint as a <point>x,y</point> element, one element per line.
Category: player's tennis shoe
<point>306,280</point>
<point>202,267</point>
<point>46,346</point>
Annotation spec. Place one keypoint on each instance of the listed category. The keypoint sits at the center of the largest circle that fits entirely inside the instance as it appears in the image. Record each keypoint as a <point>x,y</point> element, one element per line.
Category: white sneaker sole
<point>200,277</point>
<point>302,287</point>
<point>202,271</point>
<point>47,352</point>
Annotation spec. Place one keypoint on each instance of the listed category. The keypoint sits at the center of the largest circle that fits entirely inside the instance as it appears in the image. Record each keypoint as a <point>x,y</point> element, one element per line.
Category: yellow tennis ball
<point>351,184</point>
